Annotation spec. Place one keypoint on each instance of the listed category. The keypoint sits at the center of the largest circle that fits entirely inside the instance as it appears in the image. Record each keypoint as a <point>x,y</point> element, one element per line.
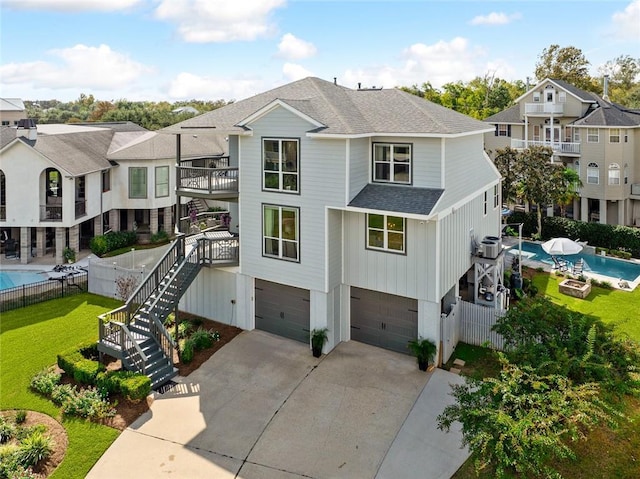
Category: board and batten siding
<point>321,184</point>
<point>455,233</point>
<point>213,302</point>
<point>334,248</point>
<point>411,274</point>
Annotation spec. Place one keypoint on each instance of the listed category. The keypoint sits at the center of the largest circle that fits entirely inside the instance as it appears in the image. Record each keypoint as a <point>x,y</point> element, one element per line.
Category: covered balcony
<point>543,108</point>
<point>558,147</point>
<point>211,178</point>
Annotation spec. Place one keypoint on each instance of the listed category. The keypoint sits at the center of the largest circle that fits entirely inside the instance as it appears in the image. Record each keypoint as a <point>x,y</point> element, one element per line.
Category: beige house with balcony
<point>597,138</point>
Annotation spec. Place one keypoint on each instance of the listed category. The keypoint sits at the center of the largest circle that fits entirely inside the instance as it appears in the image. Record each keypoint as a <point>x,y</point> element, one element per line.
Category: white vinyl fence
<point>104,272</point>
<point>471,324</point>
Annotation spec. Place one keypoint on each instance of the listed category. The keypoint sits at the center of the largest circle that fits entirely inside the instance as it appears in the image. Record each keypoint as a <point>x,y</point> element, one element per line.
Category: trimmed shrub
<point>98,245</point>
<point>160,237</point>
<point>75,363</point>
<point>202,339</point>
<point>113,240</point>
<point>134,386</point>
<point>187,349</point>
<point>86,370</point>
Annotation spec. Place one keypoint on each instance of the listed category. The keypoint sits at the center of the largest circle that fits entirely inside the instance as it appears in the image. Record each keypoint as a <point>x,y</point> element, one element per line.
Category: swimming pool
<point>13,278</point>
<point>603,265</point>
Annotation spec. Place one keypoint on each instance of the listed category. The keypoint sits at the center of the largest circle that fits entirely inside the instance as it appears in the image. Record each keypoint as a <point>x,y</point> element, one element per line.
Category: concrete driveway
<point>263,407</point>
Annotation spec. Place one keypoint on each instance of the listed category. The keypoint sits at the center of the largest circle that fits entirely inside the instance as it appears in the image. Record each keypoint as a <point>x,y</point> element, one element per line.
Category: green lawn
<point>613,306</point>
<point>30,339</point>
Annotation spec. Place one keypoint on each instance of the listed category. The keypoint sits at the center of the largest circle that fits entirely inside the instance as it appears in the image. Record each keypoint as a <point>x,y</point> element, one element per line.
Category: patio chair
<point>560,264</point>
<point>578,266</point>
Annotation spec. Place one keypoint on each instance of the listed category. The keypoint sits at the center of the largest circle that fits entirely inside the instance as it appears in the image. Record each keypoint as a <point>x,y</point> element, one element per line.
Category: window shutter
<point>509,131</point>
<point>496,132</point>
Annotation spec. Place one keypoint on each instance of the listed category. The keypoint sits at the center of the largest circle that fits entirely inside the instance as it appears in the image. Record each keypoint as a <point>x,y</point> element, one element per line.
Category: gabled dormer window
<point>392,163</point>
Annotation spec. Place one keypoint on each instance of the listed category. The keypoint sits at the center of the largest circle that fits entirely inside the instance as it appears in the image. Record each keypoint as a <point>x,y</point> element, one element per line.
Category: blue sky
<point>231,49</point>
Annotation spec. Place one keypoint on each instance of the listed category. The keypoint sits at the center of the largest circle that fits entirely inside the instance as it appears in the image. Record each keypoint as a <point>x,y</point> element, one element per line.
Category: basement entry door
<point>383,320</point>
<point>282,310</point>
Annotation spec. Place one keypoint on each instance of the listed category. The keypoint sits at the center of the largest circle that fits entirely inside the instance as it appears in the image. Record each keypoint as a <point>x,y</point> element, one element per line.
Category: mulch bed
<point>126,411</point>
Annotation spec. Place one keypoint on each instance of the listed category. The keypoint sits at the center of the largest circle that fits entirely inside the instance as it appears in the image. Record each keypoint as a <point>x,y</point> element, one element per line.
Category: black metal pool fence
<point>32,293</point>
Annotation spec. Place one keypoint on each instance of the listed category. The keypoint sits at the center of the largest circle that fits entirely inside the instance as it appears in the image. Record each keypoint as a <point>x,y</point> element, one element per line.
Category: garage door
<point>383,320</point>
<point>282,310</point>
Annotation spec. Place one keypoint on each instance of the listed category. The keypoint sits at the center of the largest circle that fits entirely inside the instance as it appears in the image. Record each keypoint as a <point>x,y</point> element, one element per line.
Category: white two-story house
<point>597,138</point>
<point>357,211</point>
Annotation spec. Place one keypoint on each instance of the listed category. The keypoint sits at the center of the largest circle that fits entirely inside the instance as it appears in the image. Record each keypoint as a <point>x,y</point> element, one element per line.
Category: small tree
<point>125,286</point>
<point>521,422</point>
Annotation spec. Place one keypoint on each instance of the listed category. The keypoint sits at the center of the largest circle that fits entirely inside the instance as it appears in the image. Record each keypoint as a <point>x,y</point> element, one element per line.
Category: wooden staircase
<point>135,332</point>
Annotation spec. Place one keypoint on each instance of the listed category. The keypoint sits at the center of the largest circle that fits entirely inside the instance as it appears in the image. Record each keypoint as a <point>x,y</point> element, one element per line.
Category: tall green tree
<point>564,63</point>
<point>507,161</point>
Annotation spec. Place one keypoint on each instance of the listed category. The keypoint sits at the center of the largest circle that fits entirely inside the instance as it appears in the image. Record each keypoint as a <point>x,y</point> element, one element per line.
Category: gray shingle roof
<point>609,114</point>
<point>510,115</point>
<point>582,94</point>
<point>7,135</point>
<point>153,145</point>
<point>343,111</point>
<point>398,199</point>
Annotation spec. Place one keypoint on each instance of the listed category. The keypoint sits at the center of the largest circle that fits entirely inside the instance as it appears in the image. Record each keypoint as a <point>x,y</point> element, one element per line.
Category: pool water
<point>603,265</point>
<point>13,278</point>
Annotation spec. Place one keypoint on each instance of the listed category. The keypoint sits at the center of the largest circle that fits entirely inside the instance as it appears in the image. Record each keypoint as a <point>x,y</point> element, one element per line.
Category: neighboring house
<point>597,138</point>
<point>11,111</point>
<point>357,211</point>
<point>60,185</point>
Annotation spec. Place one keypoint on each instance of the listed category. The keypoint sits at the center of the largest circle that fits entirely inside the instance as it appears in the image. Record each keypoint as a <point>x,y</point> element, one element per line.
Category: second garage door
<point>383,320</point>
<point>282,310</point>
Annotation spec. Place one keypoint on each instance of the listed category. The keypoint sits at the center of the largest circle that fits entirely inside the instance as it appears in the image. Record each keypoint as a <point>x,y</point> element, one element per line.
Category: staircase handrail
<point>124,335</point>
<point>143,292</point>
<point>153,315</point>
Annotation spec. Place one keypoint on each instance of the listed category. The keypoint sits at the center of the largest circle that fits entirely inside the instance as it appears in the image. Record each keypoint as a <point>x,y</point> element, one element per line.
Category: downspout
<point>178,157</point>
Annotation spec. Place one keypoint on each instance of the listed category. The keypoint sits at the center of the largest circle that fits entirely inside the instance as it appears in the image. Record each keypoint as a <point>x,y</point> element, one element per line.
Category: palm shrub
<point>7,430</point>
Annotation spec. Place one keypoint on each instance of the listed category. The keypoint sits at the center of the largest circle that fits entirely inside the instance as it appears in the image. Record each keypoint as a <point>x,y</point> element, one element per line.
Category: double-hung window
<point>614,135</point>
<point>137,182</point>
<point>281,232</point>
<point>496,196</point>
<point>386,233</point>
<point>280,164</point>
<point>392,163</point>
<point>593,174</point>
<point>614,174</point>
<point>162,181</point>
<point>593,135</point>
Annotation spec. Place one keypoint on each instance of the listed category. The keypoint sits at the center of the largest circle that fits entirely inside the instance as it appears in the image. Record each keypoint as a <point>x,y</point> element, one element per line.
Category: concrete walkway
<point>262,407</point>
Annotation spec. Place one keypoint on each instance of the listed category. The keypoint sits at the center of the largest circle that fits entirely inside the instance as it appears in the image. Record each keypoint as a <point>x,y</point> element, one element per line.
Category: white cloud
<point>71,5</point>
<point>495,18</point>
<point>203,21</point>
<point>627,23</point>
<point>293,48</point>
<point>440,63</point>
<point>293,72</point>
<point>80,67</point>
<point>187,85</point>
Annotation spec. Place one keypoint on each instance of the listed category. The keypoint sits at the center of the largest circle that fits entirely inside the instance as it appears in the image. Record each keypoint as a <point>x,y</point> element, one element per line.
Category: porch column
<point>584,209</point>
<point>41,242</point>
<point>603,211</point>
<point>153,220</point>
<point>168,225</point>
<point>59,244</point>
<point>114,220</point>
<point>97,225</point>
<point>25,244</point>
<point>621,220</point>
<point>74,238</point>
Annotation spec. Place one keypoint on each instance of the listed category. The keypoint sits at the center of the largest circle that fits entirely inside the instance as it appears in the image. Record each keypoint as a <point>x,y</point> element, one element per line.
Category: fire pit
<point>575,288</point>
